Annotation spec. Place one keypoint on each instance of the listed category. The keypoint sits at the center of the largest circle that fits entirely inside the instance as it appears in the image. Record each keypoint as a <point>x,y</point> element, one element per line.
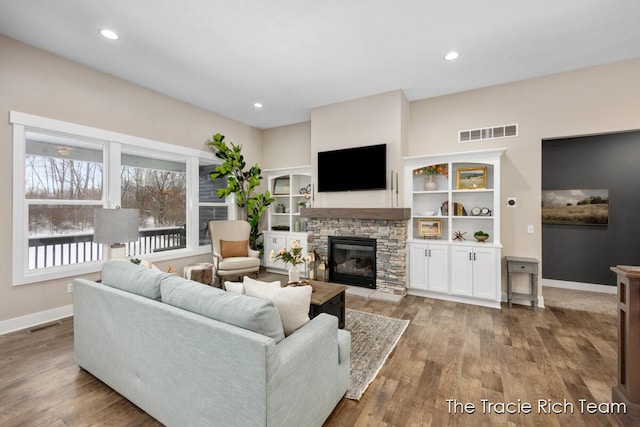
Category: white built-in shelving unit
<point>464,201</point>
<point>284,223</point>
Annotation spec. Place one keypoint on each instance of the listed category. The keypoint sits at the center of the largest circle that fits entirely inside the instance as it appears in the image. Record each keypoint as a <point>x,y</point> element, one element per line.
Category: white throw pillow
<point>234,287</point>
<point>293,304</point>
<point>257,288</point>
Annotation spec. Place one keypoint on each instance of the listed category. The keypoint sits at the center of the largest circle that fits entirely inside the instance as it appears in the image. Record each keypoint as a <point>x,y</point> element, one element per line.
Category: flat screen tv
<point>353,169</point>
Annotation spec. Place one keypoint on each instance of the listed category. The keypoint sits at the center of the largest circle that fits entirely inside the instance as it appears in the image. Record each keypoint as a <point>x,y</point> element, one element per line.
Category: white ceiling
<point>294,55</point>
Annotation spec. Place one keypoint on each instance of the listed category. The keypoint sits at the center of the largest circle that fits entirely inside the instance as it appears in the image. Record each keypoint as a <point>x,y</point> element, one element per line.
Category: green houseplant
<point>243,183</point>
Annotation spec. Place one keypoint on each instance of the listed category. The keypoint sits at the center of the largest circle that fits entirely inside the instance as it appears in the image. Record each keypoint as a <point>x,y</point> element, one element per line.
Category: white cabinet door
<point>438,268</point>
<point>429,267</point>
<point>418,267</point>
<point>275,242</point>
<point>473,272</point>
<point>462,270</point>
<point>484,273</point>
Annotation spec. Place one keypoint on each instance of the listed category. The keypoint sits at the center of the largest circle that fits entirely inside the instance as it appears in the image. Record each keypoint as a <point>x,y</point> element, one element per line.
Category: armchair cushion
<point>234,248</point>
<point>238,263</point>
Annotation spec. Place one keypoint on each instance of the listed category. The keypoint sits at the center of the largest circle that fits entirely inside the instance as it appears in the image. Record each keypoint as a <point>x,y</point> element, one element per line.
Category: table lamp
<point>116,227</point>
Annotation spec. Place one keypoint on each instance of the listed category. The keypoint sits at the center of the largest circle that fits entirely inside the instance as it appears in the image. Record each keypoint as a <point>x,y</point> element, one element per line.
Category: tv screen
<point>353,169</point>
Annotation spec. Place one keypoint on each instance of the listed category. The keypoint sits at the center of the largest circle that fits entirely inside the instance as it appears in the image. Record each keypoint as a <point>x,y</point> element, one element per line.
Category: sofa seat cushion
<point>239,263</point>
<point>253,314</point>
<point>133,278</point>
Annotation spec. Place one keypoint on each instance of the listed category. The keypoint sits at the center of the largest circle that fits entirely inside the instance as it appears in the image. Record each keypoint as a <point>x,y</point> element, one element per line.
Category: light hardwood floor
<point>449,351</point>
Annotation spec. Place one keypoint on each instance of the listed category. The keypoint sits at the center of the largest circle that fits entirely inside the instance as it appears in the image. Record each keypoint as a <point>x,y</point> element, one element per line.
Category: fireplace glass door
<point>352,261</point>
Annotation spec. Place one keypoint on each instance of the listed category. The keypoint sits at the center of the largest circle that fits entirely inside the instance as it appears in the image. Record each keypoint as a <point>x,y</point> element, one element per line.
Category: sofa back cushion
<point>133,278</point>
<point>254,314</point>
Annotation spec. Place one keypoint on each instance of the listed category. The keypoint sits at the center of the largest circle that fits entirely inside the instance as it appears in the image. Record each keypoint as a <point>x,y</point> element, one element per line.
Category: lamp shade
<point>115,225</point>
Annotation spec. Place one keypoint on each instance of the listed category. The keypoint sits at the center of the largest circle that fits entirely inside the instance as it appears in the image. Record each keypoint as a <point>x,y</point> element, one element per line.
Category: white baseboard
<point>35,319</point>
<point>590,287</point>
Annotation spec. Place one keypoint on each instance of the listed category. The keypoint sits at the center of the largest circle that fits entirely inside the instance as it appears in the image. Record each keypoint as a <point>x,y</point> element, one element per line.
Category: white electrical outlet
<point>530,229</point>
<point>70,288</point>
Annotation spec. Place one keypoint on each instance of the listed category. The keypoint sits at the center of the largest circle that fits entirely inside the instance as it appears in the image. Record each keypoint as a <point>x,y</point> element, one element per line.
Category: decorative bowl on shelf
<point>426,213</point>
<point>480,236</point>
<point>280,228</point>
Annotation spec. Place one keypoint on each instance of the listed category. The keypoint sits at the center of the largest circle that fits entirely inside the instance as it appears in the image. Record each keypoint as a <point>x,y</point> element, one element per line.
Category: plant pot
<point>482,238</point>
<point>430,183</point>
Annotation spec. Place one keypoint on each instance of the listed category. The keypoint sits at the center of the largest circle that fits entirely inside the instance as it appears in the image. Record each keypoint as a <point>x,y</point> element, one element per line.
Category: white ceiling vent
<point>504,131</point>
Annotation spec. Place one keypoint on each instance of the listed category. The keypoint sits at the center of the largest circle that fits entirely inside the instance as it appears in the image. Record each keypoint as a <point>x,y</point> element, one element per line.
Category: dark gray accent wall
<point>585,253</point>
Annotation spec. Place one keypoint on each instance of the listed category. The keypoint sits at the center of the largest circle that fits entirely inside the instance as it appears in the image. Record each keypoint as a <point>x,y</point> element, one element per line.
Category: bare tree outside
<point>159,195</point>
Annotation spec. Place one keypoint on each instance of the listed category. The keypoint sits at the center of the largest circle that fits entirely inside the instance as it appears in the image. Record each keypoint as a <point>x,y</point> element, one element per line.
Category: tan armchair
<point>232,256</point>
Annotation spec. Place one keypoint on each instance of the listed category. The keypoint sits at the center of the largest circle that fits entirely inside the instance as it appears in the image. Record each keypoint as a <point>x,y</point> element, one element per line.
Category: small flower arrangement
<point>292,256</point>
<point>432,170</point>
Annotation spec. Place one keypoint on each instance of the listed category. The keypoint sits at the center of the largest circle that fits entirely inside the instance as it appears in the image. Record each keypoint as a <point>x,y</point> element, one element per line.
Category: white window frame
<point>113,145</point>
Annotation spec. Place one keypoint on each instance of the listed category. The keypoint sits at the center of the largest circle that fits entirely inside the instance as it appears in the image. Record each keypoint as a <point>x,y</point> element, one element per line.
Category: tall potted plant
<point>242,183</point>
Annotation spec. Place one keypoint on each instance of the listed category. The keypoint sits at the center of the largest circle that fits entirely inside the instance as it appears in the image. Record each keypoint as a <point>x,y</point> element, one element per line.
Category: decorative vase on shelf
<point>430,183</point>
<point>294,274</point>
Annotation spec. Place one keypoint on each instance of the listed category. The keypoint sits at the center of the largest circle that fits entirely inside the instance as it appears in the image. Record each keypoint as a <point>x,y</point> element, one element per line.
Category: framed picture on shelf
<point>429,228</point>
<point>281,186</point>
<point>472,178</point>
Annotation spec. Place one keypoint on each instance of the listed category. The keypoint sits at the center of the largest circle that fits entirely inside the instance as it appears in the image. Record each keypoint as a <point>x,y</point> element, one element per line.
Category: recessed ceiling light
<point>258,105</point>
<point>451,56</point>
<point>109,34</point>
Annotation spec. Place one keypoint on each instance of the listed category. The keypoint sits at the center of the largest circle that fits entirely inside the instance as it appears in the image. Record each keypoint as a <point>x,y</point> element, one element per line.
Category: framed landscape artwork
<point>281,186</point>
<point>472,178</point>
<point>429,228</point>
<point>575,207</point>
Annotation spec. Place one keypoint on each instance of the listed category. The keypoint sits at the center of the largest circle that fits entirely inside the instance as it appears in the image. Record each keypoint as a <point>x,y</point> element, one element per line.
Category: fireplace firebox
<point>352,261</point>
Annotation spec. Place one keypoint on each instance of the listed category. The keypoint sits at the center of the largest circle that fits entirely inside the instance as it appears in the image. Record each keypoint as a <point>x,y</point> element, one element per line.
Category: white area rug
<point>373,338</point>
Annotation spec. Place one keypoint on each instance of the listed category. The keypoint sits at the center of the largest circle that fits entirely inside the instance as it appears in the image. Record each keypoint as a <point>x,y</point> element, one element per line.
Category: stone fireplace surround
<point>387,225</point>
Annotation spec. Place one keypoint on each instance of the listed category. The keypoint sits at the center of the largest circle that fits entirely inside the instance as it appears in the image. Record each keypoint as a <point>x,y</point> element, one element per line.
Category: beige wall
<point>286,146</point>
<point>35,82</point>
<point>590,101</point>
<point>377,119</point>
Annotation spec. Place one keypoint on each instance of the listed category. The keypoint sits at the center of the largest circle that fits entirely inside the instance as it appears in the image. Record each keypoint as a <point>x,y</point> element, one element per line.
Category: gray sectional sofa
<point>192,355</point>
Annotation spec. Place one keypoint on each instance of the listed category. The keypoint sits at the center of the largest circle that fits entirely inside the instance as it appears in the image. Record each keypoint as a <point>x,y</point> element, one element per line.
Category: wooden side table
<point>627,390</point>
<point>523,265</point>
<point>328,298</point>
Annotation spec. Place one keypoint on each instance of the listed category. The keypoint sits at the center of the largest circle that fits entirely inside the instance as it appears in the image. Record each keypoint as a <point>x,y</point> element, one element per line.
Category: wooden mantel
<point>357,213</point>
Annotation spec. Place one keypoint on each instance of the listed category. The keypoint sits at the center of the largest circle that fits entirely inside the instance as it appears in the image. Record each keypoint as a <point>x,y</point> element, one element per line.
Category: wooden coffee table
<point>328,298</point>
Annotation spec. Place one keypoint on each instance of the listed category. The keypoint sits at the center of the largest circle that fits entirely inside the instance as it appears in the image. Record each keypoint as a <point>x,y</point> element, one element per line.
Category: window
<point>211,207</point>
<point>158,189</point>
<point>63,171</point>
<point>62,185</point>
